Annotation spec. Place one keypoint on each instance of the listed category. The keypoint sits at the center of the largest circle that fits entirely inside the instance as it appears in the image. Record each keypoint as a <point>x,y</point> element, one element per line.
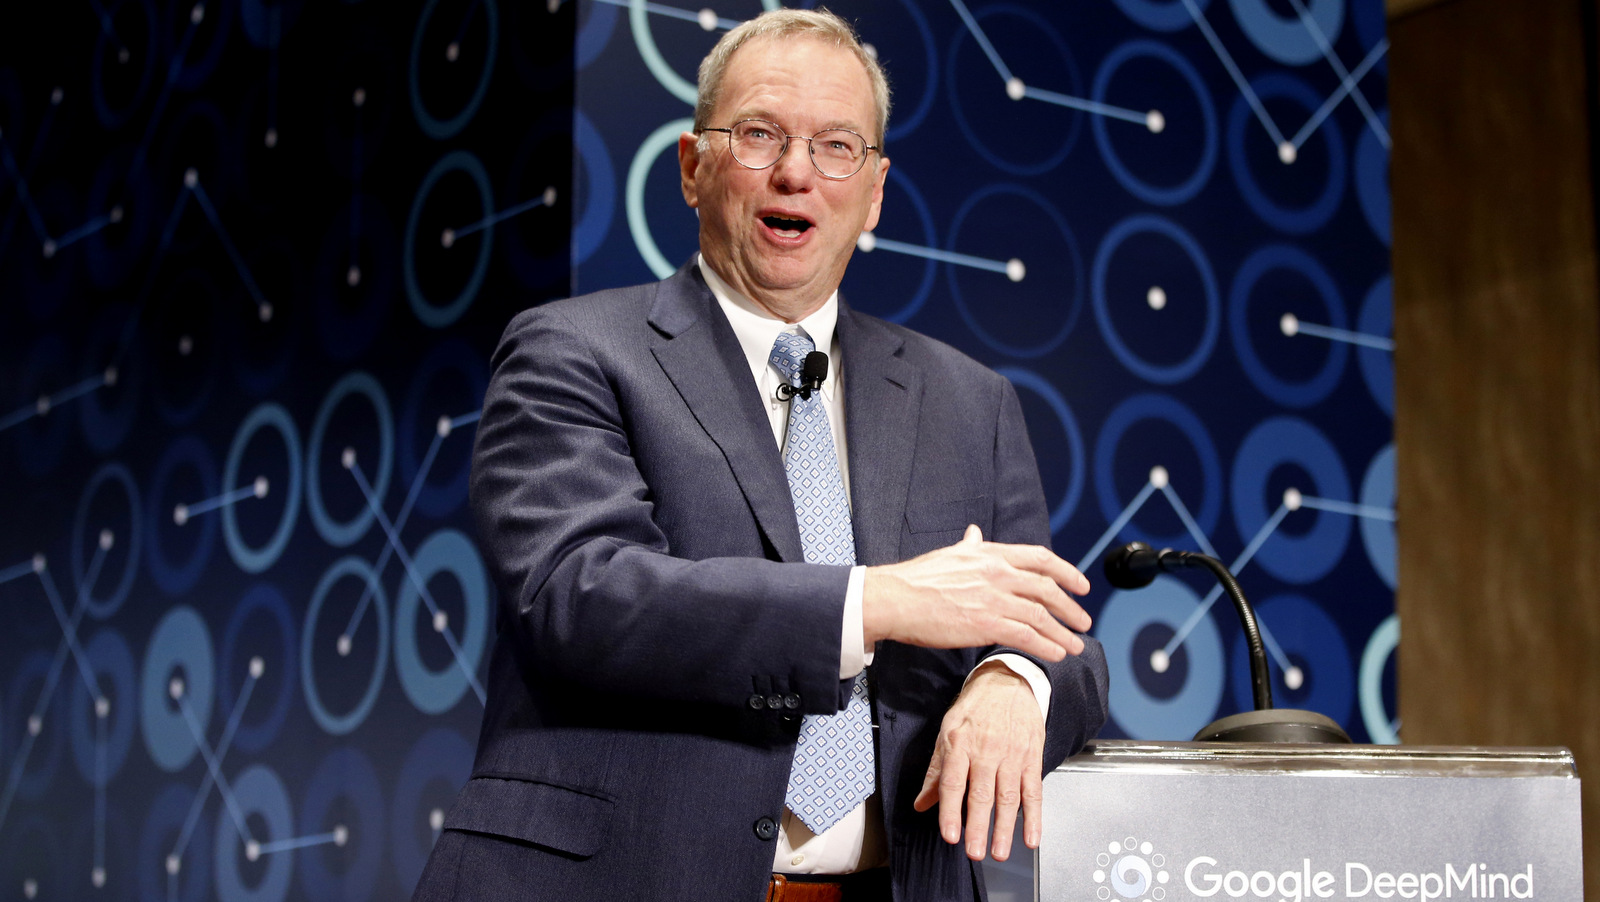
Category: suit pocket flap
<point>944,516</point>
<point>552,816</point>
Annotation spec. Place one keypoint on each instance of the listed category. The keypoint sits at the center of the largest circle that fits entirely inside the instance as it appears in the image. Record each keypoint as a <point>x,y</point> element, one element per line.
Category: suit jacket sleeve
<point>598,592</point>
<point>1078,684</point>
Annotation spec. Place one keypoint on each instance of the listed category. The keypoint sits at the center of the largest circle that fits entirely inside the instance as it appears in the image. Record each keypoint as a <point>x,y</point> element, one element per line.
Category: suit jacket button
<point>774,701</point>
<point>766,829</point>
<point>791,701</point>
<point>757,702</point>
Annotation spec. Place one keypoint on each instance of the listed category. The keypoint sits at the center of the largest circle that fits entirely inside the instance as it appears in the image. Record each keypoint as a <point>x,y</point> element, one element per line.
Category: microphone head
<point>814,369</point>
<point>1132,566</point>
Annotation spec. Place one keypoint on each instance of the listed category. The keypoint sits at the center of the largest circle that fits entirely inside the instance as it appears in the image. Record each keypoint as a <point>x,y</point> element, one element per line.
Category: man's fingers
<point>1032,629</point>
<point>1008,797</point>
<point>952,786</point>
<point>1032,804</point>
<point>973,534</point>
<point>1041,560</point>
<point>980,803</point>
<point>930,782</point>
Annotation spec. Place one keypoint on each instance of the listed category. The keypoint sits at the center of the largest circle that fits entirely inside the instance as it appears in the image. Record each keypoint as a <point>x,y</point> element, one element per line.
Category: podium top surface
<point>1128,756</point>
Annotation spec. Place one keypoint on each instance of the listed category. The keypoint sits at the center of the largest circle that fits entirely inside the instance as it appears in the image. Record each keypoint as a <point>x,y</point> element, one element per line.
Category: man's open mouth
<point>788,228</point>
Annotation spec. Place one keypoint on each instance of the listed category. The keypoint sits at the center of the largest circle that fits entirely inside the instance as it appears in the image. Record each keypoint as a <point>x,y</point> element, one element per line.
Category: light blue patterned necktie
<point>833,763</point>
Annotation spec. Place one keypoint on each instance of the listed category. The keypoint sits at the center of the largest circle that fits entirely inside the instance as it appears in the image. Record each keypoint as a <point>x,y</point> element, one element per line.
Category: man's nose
<point>793,170</point>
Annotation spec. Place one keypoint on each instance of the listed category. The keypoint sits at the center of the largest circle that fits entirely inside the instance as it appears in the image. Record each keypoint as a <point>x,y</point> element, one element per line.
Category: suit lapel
<point>883,398</point>
<point>700,354</point>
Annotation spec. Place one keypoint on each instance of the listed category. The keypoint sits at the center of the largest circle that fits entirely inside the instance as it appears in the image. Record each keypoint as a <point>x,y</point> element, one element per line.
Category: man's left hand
<point>990,751</point>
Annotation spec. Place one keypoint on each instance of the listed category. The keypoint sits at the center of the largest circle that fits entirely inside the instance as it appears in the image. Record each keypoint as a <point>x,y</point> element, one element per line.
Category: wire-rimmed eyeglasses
<point>836,153</point>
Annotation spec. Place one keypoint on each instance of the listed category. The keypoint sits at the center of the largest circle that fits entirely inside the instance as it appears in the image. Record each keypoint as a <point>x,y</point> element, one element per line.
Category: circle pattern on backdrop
<point>1185,188</point>
<point>334,532</point>
<point>1274,443</point>
<point>1377,366</point>
<point>29,683</point>
<point>258,791</point>
<point>1107,452</point>
<point>344,783</point>
<point>1165,374</point>
<point>654,145</point>
<point>598,190</point>
<point>430,313</point>
<point>1311,639</point>
<point>112,664</point>
<point>175,577</point>
<point>1064,508</point>
<point>86,534</point>
<point>1161,15</point>
<point>439,494</point>
<point>256,559</point>
<point>999,147</point>
<point>434,692</point>
<point>1286,38</point>
<point>179,649</point>
<point>163,828</point>
<point>1285,391</point>
<point>332,723</point>
<point>1068,286</point>
<point>645,41</point>
<point>1385,639</point>
<point>253,730</point>
<point>445,127</point>
<point>431,774</point>
<point>1378,536</point>
<point>1242,127</point>
<point>1372,181</point>
<point>1169,603</point>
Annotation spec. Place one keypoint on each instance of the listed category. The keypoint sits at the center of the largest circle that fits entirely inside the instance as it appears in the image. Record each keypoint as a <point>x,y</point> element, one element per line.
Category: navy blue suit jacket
<point>660,636</point>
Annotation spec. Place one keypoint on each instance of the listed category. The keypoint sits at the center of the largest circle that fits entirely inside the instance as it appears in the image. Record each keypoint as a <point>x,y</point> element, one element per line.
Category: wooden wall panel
<point>1497,424</point>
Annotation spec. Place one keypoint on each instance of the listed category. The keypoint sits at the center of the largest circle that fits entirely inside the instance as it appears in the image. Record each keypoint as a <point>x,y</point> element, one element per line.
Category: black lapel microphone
<point>813,372</point>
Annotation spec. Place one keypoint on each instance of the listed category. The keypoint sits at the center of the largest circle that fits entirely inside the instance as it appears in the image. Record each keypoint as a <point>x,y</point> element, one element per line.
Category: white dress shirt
<point>855,843</point>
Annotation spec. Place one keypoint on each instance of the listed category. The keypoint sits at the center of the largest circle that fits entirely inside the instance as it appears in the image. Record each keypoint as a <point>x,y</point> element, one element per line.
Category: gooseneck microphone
<point>813,372</point>
<point>1135,565</point>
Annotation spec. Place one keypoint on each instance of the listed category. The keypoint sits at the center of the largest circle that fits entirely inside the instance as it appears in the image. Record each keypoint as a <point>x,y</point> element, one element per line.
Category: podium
<point>1129,821</point>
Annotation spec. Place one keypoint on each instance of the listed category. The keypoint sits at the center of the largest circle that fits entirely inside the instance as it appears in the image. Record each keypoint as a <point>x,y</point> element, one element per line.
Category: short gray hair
<point>783,23</point>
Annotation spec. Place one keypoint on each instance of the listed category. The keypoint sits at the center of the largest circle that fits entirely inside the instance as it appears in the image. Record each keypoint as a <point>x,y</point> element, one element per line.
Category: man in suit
<point>761,638</point>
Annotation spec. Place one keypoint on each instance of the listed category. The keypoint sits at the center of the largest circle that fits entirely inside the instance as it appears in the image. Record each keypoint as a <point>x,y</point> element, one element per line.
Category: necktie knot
<point>789,352</point>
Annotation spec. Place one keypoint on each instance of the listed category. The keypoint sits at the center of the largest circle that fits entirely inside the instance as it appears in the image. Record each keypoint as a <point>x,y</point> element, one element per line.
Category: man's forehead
<point>760,55</point>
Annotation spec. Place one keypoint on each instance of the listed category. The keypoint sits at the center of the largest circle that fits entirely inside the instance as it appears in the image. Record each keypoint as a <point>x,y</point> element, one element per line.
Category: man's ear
<point>688,166</point>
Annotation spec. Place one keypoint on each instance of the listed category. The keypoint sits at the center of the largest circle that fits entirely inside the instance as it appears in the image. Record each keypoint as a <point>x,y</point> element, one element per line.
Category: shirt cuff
<point>1033,673</point>
<point>853,656</point>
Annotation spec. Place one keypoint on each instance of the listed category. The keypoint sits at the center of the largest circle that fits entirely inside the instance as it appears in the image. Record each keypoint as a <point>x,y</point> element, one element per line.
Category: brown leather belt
<point>781,889</point>
<point>867,885</point>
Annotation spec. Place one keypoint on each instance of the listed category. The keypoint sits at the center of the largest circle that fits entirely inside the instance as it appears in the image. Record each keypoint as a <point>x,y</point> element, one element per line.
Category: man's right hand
<point>977,593</point>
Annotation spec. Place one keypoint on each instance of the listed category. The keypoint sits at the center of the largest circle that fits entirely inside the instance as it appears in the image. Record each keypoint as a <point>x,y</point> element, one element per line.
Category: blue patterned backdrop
<point>254,254</point>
